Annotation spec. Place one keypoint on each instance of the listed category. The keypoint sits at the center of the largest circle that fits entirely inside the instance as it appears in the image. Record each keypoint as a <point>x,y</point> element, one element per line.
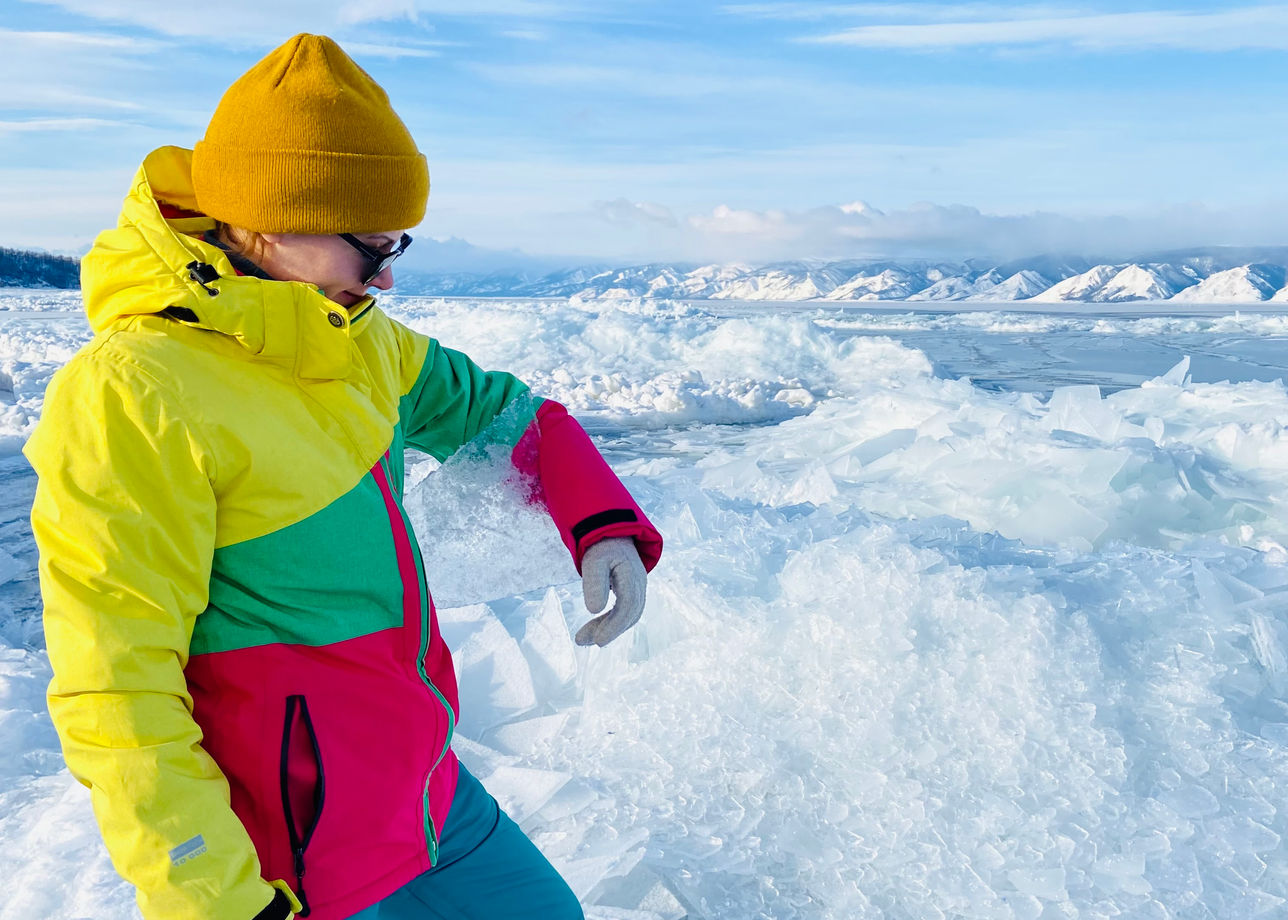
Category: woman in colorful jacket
<point>248,671</point>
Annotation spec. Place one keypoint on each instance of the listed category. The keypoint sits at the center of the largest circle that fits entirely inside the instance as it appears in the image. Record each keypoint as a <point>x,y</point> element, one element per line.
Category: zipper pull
<point>299,883</point>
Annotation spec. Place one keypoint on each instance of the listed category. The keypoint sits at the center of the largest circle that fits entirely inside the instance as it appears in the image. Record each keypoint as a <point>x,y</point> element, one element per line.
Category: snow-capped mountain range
<point>1207,276</point>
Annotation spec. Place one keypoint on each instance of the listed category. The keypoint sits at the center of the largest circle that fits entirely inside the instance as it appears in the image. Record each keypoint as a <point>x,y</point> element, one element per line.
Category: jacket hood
<point>142,266</point>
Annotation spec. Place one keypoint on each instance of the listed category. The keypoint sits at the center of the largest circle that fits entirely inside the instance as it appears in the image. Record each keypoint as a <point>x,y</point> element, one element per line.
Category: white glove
<point>612,561</point>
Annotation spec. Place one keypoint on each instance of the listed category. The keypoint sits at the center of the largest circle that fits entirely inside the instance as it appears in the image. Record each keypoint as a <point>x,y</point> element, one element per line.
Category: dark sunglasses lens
<point>379,265</point>
<point>376,261</point>
<point>376,266</point>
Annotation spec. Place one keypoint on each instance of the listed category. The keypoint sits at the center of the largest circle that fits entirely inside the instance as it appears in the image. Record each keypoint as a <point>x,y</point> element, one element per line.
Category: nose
<point>383,281</point>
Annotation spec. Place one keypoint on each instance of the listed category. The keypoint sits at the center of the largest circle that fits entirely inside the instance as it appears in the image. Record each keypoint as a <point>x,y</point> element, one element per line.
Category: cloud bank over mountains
<point>926,230</point>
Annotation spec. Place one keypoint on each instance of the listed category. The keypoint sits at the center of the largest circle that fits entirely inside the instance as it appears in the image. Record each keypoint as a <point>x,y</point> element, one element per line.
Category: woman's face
<point>327,262</point>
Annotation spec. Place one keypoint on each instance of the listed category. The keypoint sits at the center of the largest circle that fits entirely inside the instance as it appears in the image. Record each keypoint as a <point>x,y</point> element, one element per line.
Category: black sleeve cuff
<point>585,527</point>
<point>278,909</point>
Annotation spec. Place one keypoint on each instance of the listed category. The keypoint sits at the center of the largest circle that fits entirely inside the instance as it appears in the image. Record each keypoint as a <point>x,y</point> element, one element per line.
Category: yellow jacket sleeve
<point>124,519</point>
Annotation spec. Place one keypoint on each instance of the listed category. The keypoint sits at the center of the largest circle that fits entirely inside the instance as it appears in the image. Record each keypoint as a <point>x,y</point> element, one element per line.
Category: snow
<point>1019,286</point>
<point>918,647</point>
<point>1220,275</point>
<point>1135,282</point>
<point>1202,277</point>
<point>1080,287</point>
<point>891,284</point>
<point>1246,284</point>
<point>787,282</point>
<point>954,288</point>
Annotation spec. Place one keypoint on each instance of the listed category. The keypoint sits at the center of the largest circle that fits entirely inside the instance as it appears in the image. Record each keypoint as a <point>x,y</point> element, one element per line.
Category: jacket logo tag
<point>188,850</point>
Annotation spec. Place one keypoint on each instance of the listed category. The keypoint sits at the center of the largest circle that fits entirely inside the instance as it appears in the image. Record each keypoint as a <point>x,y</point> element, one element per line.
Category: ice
<point>601,912</point>
<point>1269,639</point>
<point>1245,835</point>
<point>527,734</point>
<point>522,791</point>
<point>1175,377</point>
<point>919,646</point>
<point>1081,410</point>
<point>549,647</point>
<point>1249,902</point>
<point>490,667</point>
<point>1047,884</point>
<point>480,759</point>
<point>10,568</point>
<point>474,508</point>
<point>813,485</point>
<point>874,449</point>
<point>586,874</point>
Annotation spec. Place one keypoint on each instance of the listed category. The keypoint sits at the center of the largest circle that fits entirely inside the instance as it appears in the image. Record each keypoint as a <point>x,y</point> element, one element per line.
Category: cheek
<point>323,267</point>
<point>340,265</point>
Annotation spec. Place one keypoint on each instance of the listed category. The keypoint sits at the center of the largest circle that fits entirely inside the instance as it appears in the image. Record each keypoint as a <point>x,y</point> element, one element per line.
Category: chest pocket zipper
<point>303,785</point>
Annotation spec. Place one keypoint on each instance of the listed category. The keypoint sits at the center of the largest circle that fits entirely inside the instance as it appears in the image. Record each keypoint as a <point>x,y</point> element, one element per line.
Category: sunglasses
<point>377,260</point>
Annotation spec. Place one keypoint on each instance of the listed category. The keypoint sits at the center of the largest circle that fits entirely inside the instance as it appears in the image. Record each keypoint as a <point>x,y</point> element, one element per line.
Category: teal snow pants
<point>487,870</point>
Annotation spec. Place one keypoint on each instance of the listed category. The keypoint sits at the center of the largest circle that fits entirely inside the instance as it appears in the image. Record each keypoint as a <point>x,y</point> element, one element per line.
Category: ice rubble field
<point>917,648</point>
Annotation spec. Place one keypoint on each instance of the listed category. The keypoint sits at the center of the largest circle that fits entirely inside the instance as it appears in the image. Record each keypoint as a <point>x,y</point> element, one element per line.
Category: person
<point>247,668</point>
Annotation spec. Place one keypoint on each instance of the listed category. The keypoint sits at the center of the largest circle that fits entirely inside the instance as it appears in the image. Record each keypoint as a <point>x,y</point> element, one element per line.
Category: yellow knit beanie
<point>306,142</point>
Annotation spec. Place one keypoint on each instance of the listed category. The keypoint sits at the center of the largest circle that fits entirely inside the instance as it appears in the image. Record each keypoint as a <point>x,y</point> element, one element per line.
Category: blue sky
<point>623,131</point>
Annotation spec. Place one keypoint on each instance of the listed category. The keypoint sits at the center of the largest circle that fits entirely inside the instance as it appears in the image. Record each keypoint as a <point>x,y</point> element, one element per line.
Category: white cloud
<point>761,226</point>
<point>959,231</point>
<point>260,23</point>
<point>70,81</point>
<point>32,125</point>
<point>657,72</point>
<point>199,19</point>
<point>532,9</point>
<point>627,213</point>
<point>392,52</point>
<point>1264,27</point>
<point>541,201</point>
<point>355,12</point>
<point>69,42</point>
<point>52,98</point>
<point>257,23</point>
<point>915,11</point>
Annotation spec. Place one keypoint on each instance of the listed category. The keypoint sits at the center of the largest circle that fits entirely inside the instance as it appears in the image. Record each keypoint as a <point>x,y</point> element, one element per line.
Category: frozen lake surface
<point>962,614</point>
<point>1039,347</point>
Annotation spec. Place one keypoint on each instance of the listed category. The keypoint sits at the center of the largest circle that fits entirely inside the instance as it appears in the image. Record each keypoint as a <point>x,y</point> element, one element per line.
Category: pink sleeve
<point>585,498</point>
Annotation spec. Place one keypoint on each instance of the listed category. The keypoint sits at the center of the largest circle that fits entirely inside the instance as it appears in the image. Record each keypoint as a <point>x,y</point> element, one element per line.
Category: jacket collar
<point>150,263</point>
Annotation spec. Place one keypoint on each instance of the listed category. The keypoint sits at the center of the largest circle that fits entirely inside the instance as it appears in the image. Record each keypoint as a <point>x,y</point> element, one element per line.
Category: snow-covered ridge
<point>1196,278</point>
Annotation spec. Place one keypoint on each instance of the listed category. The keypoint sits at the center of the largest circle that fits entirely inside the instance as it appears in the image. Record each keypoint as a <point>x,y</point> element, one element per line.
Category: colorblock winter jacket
<point>248,672</point>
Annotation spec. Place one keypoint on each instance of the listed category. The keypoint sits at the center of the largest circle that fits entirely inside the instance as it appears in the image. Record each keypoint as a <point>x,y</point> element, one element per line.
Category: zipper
<point>297,712</point>
<point>431,833</point>
<point>412,569</point>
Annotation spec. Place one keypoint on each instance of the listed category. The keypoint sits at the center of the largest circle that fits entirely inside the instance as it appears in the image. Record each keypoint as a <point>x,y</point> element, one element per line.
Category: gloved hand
<point>615,562</point>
